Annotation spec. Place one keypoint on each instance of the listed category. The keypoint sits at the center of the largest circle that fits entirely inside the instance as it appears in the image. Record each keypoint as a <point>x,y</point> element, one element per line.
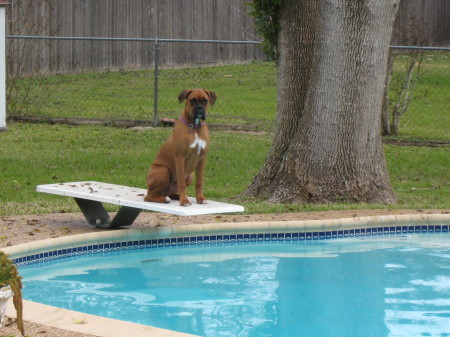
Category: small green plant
<point>266,14</point>
<point>10,277</point>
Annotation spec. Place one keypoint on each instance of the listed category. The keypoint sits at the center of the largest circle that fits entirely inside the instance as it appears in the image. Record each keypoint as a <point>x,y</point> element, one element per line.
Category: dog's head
<point>197,101</point>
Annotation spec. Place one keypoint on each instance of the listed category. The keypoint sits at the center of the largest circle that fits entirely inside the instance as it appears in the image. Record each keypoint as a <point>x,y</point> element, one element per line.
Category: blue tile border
<point>230,238</point>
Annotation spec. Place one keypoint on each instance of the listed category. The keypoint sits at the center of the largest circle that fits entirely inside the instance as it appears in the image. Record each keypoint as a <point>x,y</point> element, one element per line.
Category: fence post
<point>155,93</point>
<point>3,3</point>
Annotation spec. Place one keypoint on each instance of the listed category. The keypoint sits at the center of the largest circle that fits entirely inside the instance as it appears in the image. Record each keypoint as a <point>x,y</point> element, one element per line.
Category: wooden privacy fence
<point>419,22</point>
<point>145,19</point>
<point>422,23</point>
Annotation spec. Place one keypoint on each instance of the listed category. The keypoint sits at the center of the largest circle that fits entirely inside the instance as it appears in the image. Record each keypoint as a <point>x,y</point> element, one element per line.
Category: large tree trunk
<point>327,146</point>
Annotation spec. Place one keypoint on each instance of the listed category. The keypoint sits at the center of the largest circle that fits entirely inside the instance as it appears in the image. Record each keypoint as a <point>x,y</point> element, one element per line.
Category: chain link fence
<point>417,103</point>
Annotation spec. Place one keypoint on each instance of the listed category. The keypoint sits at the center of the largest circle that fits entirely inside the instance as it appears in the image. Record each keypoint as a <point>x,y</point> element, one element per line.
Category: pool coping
<point>100,326</point>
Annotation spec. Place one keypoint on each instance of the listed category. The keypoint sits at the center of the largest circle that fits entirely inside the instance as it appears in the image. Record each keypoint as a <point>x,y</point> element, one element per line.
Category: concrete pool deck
<point>89,324</point>
<point>85,323</point>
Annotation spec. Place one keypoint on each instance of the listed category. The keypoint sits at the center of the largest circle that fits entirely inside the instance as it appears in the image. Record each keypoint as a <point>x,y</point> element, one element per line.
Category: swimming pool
<point>336,280</point>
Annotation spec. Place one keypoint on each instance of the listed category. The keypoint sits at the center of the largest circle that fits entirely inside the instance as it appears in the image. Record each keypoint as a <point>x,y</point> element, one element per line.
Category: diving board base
<point>90,196</point>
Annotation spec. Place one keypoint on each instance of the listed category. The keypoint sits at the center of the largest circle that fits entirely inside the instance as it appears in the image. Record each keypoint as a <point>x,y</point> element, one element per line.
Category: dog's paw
<point>160,199</point>
<point>202,201</point>
<point>185,202</point>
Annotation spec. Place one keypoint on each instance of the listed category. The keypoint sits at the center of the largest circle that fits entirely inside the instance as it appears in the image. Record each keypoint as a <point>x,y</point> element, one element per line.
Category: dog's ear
<point>212,96</point>
<point>182,96</point>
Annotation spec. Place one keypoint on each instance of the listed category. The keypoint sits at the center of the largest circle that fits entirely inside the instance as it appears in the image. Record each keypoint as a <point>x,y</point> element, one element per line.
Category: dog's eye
<point>204,101</point>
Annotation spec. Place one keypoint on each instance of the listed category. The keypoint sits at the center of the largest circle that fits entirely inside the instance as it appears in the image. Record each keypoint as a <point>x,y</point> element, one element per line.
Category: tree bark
<point>331,71</point>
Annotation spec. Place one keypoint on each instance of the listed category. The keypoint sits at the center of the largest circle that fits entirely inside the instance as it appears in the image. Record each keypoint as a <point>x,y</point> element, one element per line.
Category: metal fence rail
<point>93,38</point>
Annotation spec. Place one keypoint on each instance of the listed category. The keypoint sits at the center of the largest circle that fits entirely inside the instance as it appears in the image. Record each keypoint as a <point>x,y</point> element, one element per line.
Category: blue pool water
<point>369,286</point>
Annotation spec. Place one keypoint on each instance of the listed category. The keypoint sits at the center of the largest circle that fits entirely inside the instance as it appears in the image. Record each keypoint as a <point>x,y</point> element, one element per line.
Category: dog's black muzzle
<point>200,114</point>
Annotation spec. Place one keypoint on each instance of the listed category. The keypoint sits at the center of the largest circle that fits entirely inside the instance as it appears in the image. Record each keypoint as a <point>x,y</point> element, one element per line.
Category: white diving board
<point>90,195</point>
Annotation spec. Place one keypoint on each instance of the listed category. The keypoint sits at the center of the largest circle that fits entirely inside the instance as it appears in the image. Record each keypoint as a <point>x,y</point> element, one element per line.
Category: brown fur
<point>172,170</point>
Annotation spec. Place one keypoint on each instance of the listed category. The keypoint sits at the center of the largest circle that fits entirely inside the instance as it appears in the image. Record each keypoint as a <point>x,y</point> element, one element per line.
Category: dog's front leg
<point>199,182</point>
<point>179,162</point>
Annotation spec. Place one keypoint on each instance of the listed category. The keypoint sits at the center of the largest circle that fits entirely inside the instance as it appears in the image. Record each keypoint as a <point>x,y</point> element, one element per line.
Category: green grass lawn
<point>33,154</point>
<point>41,154</point>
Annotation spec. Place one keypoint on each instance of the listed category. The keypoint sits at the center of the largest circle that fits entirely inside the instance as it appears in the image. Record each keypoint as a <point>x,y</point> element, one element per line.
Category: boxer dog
<point>183,152</point>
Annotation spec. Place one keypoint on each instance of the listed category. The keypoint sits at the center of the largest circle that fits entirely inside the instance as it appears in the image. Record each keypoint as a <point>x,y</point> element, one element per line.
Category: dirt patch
<point>21,229</point>
<point>400,142</point>
<point>28,228</point>
<point>137,124</point>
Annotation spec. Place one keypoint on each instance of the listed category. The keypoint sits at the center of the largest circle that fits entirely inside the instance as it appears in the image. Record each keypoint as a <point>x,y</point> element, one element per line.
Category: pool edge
<point>87,324</point>
<point>165,231</point>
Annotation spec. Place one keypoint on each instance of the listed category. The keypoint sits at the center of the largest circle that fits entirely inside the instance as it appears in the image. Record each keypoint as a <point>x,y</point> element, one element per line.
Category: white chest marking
<point>200,143</point>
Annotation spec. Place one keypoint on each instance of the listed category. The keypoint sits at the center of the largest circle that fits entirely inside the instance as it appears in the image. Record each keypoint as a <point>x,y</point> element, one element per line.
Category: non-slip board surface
<point>133,197</point>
